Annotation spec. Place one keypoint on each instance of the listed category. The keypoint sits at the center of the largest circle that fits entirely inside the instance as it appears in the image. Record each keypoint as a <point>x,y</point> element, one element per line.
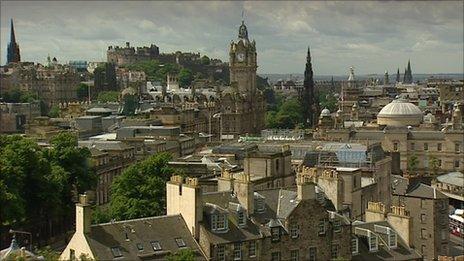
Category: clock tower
<point>242,62</point>
<point>242,105</point>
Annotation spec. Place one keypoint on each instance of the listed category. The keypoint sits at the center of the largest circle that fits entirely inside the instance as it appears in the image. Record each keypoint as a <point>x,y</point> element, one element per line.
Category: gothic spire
<point>13,47</point>
<point>12,35</point>
<point>398,77</point>
<point>308,98</point>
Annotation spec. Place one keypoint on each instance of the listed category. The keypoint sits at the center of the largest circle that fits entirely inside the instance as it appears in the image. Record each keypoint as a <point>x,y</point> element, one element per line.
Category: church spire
<point>13,48</point>
<point>398,77</point>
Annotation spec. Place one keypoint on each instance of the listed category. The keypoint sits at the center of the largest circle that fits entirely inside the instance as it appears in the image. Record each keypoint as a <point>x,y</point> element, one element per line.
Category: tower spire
<point>13,47</point>
<point>398,77</point>
<point>308,99</point>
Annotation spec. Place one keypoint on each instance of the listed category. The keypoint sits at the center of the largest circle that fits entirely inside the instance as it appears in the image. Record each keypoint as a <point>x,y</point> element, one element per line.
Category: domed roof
<point>400,107</point>
<point>325,112</point>
<point>400,113</point>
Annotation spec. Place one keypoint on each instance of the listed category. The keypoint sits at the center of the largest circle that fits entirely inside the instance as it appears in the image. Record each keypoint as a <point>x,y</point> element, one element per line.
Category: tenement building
<point>242,223</point>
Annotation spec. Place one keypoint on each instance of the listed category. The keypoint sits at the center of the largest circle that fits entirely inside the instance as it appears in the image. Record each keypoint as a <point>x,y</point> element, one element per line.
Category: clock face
<point>240,57</point>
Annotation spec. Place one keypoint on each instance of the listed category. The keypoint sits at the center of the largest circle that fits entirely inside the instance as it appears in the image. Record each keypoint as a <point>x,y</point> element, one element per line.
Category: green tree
<point>182,255</point>
<point>130,104</point>
<point>205,60</point>
<point>413,162</point>
<point>185,77</point>
<point>48,253</point>
<point>54,112</point>
<point>108,96</point>
<point>327,100</point>
<point>434,164</point>
<point>82,91</point>
<point>140,190</point>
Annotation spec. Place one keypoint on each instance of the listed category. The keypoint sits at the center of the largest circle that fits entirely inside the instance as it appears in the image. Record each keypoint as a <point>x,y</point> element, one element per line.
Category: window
<point>456,163</point>
<point>275,256</point>
<point>156,245</point>
<point>423,233</point>
<point>423,218</point>
<point>354,245</point>
<point>294,231</point>
<point>260,204</point>
<point>392,239</point>
<point>140,246</point>
<point>180,242</point>
<point>312,253</point>
<point>426,146</point>
<point>275,231</point>
<point>334,250</point>
<point>72,254</point>
<point>116,251</point>
<point>373,242</point>
<point>321,227</point>
<point>439,146</point>
<point>220,253</point>
<point>252,249</point>
<point>277,165</point>
<point>422,203</point>
<point>241,218</point>
<point>413,147</point>
<point>457,147</point>
<point>294,255</point>
<point>237,251</point>
<point>337,226</point>
<point>218,221</point>
<point>395,146</point>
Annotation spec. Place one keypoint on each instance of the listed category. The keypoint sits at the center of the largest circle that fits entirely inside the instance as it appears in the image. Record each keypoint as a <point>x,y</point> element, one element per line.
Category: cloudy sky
<point>371,36</point>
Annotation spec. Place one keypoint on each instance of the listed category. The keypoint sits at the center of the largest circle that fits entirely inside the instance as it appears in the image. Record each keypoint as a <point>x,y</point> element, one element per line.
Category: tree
<point>182,255</point>
<point>205,60</point>
<point>413,162</point>
<point>16,95</point>
<point>82,91</point>
<point>434,165</point>
<point>130,104</point>
<point>185,77</point>
<point>108,96</point>
<point>140,190</point>
<point>54,112</point>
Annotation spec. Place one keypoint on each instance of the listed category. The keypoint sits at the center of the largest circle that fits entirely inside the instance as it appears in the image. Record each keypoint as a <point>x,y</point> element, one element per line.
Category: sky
<point>371,36</point>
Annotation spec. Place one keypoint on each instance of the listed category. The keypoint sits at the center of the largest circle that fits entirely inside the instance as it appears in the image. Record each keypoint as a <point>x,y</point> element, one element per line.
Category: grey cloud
<point>372,36</point>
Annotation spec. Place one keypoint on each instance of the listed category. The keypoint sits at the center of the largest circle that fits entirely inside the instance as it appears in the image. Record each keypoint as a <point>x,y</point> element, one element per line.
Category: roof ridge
<point>136,219</point>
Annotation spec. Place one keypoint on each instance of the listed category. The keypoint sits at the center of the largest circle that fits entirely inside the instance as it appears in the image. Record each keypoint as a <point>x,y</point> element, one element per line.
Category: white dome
<point>400,113</point>
<point>399,108</point>
<point>325,112</point>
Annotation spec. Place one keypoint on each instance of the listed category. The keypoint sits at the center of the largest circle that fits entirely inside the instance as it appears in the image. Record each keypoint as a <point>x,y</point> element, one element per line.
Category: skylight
<point>156,245</point>
<point>180,242</point>
<point>116,251</point>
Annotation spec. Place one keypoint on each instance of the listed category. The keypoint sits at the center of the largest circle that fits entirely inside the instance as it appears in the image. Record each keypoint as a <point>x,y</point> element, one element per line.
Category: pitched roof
<point>131,235</point>
<point>402,186</point>
<point>453,178</point>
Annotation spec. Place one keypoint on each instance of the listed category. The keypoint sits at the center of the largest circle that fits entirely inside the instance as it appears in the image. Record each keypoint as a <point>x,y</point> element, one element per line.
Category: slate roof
<point>402,186</point>
<point>127,234</point>
<point>452,178</point>
<point>401,252</point>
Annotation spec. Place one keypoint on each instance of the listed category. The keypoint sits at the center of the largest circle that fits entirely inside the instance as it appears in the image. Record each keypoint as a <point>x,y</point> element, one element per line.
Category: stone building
<point>243,223</point>
<point>402,129</point>
<point>452,185</point>
<point>428,211</point>
<point>151,238</point>
<point>15,116</point>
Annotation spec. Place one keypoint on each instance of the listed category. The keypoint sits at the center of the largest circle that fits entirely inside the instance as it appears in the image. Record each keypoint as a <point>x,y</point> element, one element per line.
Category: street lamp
<point>219,115</point>
<point>14,232</point>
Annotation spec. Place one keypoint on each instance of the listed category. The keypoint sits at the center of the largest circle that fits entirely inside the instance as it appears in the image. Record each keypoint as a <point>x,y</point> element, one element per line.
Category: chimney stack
<point>84,213</point>
<point>306,189</point>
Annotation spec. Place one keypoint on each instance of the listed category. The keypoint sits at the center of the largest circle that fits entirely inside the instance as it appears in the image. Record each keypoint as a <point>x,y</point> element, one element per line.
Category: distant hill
<point>417,77</point>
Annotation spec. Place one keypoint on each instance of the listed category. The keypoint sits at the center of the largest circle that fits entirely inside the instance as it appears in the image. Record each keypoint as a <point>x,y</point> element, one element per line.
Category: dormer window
<point>219,222</point>
<point>373,242</point>
<point>275,233</point>
<point>241,218</point>
<point>392,243</point>
<point>354,246</point>
<point>260,207</point>
<point>180,242</point>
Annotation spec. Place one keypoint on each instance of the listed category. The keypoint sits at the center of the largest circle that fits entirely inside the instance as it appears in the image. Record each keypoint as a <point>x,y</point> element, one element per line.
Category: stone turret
<point>456,117</point>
